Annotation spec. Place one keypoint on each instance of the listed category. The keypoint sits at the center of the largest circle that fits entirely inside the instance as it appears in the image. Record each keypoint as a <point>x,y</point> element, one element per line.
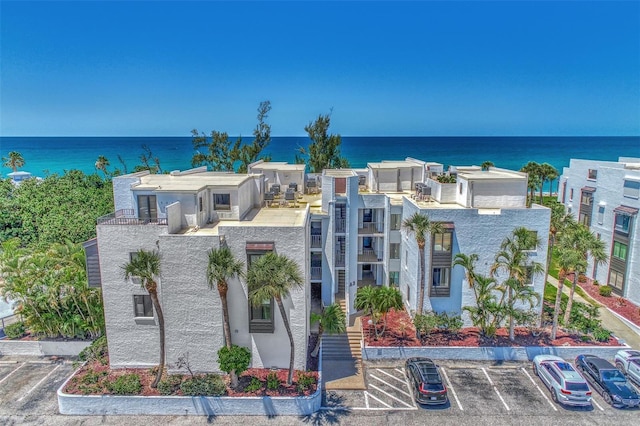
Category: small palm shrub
<point>305,381</point>
<point>254,386</point>
<point>209,385</point>
<point>15,330</point>
<point>604,290</point>
<point>272,381</point>
<point>601,335</point>
<point>127,384</point>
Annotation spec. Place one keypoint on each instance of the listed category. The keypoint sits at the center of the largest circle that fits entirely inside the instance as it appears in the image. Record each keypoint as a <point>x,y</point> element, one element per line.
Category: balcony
<point>371,228</point>
<point>128,217</point>
<point>316,241</point>
<point>367,280</point>
<point>341,226</point>
<point>370,256</point>
<point>316,272</point>
<point>440,291</point>
<point>340,260</point>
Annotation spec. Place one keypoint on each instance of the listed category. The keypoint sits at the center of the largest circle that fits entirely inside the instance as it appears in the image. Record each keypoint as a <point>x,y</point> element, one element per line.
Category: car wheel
<point>535,369</point>
<point>607,398</point>
<point>620,366</point>
<point>554,395</point>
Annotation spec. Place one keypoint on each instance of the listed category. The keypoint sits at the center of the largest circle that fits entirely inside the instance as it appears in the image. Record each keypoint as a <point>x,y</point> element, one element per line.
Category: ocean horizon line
<point>344,136</point>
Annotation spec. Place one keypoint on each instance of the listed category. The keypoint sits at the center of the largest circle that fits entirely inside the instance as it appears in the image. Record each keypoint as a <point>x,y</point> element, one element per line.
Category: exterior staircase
<point>344,346</point>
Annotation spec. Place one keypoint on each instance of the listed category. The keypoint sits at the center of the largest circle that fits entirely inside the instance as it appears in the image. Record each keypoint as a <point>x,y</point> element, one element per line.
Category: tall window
<point>142,306</point>
<point>619,250</point>
<point>261,316</point>
<point>600,215</point>
<point>622,223</point>
<point>584,219</point>
<point>394,250</point>
<point>440,282</point>
<point>394,278</point>
<point>593,174</point>
<point>396,221</point>
<point>587,197</point>
<point>616,279</point>
<point>442,242</point>
<point>147,207</point>
<point>571,194</point>
<point>367,215</point>
<point>221,201</point>
<point>200,207</point>
<point>564,192</point>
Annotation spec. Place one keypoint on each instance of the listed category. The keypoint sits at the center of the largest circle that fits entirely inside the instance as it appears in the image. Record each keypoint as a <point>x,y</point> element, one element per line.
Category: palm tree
<point>584,241</point>
<point>331,321</point>
<point>513,260</point>
<point>101,164</point>
<point>559,223</point>
<point>146,266</point>
<point>387,298</point>
<point>547,173</point>
<point>569,260</point>
<point>486,165</point>
<point>221,268</point>
<point>14,161</point>
<point>365,299</point>
<point>468,263</point>
<point>420,226</point>
<point>273,276</point>
<point>532,169</point>
<point>488,312</point>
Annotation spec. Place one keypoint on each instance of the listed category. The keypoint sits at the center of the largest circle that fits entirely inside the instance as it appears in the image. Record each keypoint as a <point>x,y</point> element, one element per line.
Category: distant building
<point>18,177</point>
<point>605,196</point>
<point>342,227</point>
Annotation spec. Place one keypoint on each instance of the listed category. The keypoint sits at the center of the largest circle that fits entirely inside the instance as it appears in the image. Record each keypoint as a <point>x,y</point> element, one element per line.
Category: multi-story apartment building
<point>605,196</point>
<point>342,227</point>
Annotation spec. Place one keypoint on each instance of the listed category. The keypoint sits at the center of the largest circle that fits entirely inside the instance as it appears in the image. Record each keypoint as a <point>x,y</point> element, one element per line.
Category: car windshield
<point>612,376</point>
<point>582,387</point>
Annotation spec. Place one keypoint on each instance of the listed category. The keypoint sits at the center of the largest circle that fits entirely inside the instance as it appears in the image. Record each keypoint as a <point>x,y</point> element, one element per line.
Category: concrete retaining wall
<point>488,353</point>
<point>41,348</point>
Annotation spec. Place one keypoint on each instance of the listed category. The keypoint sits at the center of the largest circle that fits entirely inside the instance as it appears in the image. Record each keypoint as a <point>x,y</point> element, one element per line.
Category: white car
<point>567,386</point>
<point>628,361</point>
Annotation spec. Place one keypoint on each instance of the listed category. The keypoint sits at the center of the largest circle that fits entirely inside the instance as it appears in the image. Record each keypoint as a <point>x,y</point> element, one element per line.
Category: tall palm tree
<point>547,173</point>
<point>222,267</point>
<point>513,260</point>
<point>365,299</point>
<point>468,263</point>
<point>488,312</point>
<point>387,298</point>
<point>146,266</point>
<point>332,320</point>
<point>569,260</point>
<point>101,164</point>
<point>486,165</point>
<point>584,241</point>
<point>420,226</point>
<point>14,160</point>
<point>273,276</point>
<point>559,223</point>
<point>532,169</point>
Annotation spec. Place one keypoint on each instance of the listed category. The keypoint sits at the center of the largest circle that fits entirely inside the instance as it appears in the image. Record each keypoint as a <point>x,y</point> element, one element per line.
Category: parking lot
<point>474,389</point>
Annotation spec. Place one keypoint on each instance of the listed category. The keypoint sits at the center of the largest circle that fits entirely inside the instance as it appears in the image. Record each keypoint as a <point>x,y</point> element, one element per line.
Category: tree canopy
<point>324,150</point>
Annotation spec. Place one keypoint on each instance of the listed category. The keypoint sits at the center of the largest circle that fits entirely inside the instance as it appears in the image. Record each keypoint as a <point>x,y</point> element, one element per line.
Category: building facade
<point>342,227</point>
<point>605,196</point>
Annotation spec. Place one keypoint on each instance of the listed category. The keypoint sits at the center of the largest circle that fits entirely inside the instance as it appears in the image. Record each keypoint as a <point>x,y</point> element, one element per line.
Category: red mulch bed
<point>74,386</point>
<point>619,305</point>
<point>401,332</point>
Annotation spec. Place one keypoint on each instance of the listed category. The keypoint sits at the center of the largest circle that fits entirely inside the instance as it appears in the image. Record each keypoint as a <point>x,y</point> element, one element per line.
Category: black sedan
<point>425,381</point>
<point>608,381</point>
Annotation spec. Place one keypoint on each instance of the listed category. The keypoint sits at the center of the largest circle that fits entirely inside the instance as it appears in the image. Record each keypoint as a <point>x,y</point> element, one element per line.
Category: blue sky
<point>386,68</point>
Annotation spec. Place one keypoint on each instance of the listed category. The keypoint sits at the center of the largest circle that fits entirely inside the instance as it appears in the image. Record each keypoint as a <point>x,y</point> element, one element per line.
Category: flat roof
<point>394,164</point>
<point>190,182</point>
<point>491,174</point>
<point>279,166</point>
<point>340,172</point>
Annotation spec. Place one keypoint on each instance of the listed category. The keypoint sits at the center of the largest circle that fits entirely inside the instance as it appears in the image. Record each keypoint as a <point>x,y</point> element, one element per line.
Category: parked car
<point>628,361</point>
<point>567,386</point>
<point>425,380</point>
<point>608,381</point>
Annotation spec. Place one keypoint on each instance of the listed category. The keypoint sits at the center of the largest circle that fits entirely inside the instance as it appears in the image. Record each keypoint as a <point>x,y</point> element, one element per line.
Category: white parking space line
<point>389,384</point>
<point>399,370</point>
<point>538,387</point>
<point>12,371</point>
<point>597,405</point>
<point>39,383</point>
<point>392,376</point>
<point>453,392</point>
<point>495,389</point>
<point>389,395</point>
<point>377,399</point>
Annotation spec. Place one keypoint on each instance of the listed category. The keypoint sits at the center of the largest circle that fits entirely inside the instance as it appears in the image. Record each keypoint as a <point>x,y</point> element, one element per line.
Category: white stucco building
<point>605,196</point>
<point>342,227</point>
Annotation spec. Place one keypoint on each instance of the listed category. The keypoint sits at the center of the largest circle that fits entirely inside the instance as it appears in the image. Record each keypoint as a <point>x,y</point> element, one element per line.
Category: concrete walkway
<point>345,374</point>
<point>628,333</point>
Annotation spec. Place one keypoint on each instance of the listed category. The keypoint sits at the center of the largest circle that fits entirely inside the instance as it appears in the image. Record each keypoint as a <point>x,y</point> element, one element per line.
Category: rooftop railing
<point>128,217</point>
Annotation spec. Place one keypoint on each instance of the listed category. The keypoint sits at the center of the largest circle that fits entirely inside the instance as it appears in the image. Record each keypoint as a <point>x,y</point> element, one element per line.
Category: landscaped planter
<point>487,353</point>
<point>41,347</point>
<point>188,405</point>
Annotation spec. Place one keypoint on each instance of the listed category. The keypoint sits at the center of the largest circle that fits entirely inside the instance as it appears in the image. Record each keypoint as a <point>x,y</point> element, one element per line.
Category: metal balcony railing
<point>128,217</point>
<point>370,255</point>
<point>371,228</point>
<point>316,272</point>
<point>316,241</point>
<point>341,225</point>
<point>340,260</point>
<point>440,291</point>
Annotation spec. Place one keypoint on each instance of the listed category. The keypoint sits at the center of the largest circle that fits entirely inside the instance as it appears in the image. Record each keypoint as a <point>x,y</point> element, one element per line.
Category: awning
<point>260,246</point>
<point>588,189</point>
<point>626,210</point>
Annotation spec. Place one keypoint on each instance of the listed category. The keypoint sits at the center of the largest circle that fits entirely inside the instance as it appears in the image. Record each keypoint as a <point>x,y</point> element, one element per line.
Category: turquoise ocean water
<point>46,155</point>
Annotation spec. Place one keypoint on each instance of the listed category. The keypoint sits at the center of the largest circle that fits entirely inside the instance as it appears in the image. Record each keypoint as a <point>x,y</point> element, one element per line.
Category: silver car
<point>567,386</point>
<point>628,361</point>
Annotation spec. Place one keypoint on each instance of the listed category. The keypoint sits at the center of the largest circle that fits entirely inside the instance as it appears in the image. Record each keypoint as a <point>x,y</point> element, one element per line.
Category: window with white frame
<point>396,221</point>
<point>622,223</point>
<point>619,250</point>
<point>222,201</point>
<point>592,174</point>
<point>631,189</point>
<point>442,242</point>
<point>394,251</point>
<point>616,279</point>
<point>142,306</point>
<point>440,280</point>
<point>600,215</point>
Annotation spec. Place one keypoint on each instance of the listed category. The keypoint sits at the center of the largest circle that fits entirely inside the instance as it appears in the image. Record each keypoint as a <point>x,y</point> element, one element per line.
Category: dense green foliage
<point>56,209</point>
<point>50,289</point>
<point>170,385</point>
<point>431,321</point>
<point>377,302</point>
<point>15,330</point>
<point>605,290</point>
<point>236,358</point>
<point>324,150</point>
<point>127,384</point>
<point>208,385</point>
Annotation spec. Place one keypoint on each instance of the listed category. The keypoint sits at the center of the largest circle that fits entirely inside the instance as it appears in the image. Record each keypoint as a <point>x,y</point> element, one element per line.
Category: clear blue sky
<point>386,68</point>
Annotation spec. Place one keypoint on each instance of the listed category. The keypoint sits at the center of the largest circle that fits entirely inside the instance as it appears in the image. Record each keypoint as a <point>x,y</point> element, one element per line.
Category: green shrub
<point>15,330</point>
<point>209,385</point>
<point>96,350</point>
<point>305,381</point>
<point>127,384</point>
<point>605,291</point>
<point>93,377</point>
<point>425,323</point>
<point>451,323</point>
<point>254,386</point>
<point>601,334</point>
<point>169,385</point>
<point>235,359</point>
<point>272,381</point>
